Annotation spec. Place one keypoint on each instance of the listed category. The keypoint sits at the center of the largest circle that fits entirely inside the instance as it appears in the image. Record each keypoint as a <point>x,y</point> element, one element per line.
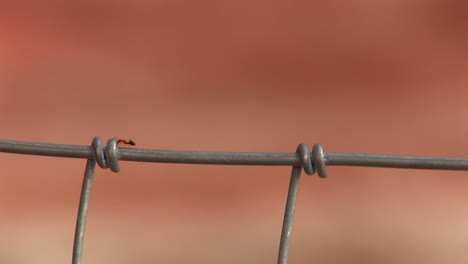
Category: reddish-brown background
<point>356,76</point>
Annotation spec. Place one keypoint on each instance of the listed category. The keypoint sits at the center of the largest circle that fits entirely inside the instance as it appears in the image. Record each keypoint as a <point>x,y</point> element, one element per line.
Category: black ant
<point>126,142</point>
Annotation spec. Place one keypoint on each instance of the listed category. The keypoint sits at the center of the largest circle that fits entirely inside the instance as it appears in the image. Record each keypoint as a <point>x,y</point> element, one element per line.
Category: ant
<point>126,142</point>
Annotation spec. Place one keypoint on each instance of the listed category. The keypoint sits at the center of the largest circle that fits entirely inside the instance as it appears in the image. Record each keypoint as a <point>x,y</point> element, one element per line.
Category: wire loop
<point>306,161</point>
<point>112,155</point>
<point>100,153</point>
<point>319,161</point>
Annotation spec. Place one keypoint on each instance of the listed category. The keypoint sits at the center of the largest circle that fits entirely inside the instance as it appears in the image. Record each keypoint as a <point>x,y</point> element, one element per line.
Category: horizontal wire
<point>236,158</point>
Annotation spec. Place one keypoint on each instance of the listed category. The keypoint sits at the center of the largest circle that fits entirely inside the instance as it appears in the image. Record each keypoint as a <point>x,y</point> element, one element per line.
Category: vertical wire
<point>77,257</point>
<point>289,215</point>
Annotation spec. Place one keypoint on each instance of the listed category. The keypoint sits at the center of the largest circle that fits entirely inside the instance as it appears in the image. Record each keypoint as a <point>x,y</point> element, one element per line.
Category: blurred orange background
<point>355,76</point>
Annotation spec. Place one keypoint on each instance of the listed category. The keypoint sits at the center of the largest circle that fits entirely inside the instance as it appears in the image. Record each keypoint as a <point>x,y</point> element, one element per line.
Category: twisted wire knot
<point>314,161</point>
<point>106,157</point>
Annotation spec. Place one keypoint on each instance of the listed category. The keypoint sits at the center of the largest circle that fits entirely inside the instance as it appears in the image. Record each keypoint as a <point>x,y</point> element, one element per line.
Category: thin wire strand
<point>77,257</point>
<point>310,165</point>
<point>236,158</point>
<point>288,220</point>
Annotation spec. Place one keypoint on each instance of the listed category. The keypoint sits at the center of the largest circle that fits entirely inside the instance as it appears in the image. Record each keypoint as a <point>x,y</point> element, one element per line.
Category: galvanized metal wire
<point>316,161</point>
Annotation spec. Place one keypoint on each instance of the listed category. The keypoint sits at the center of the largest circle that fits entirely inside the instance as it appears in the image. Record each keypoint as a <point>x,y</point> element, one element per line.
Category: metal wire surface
<point>316,161</point>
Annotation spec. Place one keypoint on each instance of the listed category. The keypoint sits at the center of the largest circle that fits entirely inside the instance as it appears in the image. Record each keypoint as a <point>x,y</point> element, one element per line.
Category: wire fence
<point>317,161</point>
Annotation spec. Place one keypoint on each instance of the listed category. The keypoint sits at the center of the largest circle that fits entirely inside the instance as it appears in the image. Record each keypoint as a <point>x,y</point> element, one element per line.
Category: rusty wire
<point>316,161</point>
